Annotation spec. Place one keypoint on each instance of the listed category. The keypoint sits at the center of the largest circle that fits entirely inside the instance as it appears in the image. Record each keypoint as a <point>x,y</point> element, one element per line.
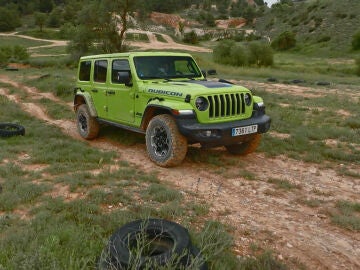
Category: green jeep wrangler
<point>166,96</point>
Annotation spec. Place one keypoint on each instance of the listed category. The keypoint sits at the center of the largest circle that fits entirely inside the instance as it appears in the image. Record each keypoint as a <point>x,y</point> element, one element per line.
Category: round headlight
<point>247,99</point>
<point>201,103</point>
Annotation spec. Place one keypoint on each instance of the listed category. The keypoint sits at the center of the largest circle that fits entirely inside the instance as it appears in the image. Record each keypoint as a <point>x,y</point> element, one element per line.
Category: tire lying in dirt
<point>165,145</point>
<point>245,147</point>
<point>87,125</point>
<point>150,244</point>
<point>10,129</point>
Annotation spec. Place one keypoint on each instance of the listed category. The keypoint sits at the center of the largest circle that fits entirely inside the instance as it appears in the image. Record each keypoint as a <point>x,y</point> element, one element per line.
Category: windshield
<point>166,67</point>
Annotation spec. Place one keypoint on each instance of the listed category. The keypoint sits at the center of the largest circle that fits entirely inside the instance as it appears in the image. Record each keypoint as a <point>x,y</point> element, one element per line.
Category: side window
<point>84,73</point>
<point>118,66</point>
<point>100,70</point>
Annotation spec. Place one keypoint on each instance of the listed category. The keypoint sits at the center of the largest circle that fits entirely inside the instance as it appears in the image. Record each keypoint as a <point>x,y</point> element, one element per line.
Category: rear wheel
<point>165,145</point>
<point>87,125</point>
<point>245,148</point>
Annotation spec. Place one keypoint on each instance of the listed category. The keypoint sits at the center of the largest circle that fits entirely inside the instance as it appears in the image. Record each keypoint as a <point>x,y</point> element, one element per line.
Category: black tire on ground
<point>149,242</point>
<point>164,143</point>
<point>87,125</point>
<point>10,129</point>
<point>245,147</point>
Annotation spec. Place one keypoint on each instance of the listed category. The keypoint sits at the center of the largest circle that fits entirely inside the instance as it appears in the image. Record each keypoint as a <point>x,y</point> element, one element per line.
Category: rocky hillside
<point>327,25</point>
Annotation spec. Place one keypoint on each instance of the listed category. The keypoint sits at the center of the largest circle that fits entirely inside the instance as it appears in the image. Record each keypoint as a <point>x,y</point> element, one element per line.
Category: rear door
<point>99,88</point>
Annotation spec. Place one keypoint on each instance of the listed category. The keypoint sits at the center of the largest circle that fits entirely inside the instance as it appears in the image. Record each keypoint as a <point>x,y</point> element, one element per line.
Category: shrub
<point>238,56</point>
<point>357,61</point>
<point>16,53</point>
<point>261,54</point>
<point>191,38</point>
<point>222,52</point>
<point>284,41</point>
<point>9,20</point>
<point>256,53</point>
<point>356,41</point>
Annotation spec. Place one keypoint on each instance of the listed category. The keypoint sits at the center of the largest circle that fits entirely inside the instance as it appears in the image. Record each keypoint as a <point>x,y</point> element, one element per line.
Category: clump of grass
<point>161,193</point>
<point>283,184</point>
<point>346,215</point>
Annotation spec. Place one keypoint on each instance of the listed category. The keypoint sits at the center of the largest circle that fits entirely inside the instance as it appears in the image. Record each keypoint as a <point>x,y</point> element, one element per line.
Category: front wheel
<point>87,125</point>
<point>245,147</point>
<point>165,145</point>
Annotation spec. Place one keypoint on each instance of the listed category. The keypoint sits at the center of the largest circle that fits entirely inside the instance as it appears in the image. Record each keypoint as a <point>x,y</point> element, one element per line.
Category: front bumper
<point>219,134</point>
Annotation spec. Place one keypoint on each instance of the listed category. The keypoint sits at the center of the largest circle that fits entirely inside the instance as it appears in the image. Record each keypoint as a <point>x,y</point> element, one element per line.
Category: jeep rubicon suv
<point>166,96</point>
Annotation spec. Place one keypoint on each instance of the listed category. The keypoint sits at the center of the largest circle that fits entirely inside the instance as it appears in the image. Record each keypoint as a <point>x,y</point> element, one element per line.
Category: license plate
<point>244,130</point>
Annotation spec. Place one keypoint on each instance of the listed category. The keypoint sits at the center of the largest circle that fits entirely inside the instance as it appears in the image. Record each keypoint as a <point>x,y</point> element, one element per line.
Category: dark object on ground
<point>11,69</point>
<point>272,79</point>
<point>150,243</point>
<point>296,81</point>
<point>323,83</point>
<point>10,129</point>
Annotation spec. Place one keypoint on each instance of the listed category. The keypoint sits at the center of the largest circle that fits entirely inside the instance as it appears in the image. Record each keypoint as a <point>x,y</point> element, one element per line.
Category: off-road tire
<point>245,147</point>
<point>10,129</point>
<point>155,241</point>
<point>87,125</point>
<point>165,145</point>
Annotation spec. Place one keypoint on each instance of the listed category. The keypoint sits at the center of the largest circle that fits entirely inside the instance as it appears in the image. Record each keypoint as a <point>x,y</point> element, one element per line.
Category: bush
<point>256,53</point>
<point>357,61</point>
<point>191,38</point>
<point>284,41</point>
<point>221,52</point>
<point>12,54</point>
<point>9,20</point>
<point>356,41</point>
<point>238,55</point>
<point>261,54</point>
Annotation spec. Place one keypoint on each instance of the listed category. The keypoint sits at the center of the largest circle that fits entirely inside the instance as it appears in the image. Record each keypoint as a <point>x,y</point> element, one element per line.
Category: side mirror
<point>124,77</point>
<point>203,73</point>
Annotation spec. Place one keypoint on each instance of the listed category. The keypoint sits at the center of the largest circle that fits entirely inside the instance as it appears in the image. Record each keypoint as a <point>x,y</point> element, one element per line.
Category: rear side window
<point>84,73</point>
<point>100,70</point>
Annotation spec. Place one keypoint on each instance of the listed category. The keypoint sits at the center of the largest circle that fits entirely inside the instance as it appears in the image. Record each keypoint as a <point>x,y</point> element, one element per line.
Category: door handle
<point>94,90</point>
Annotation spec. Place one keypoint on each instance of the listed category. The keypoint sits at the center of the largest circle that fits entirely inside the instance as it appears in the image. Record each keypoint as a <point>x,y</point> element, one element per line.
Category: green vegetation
<point>12,54</point>
<point>228,52</point>
<point>63,190</point>
<point>346,215</point>
<point>356,41</point>
<point>284,41</point>
<point>321,26</point>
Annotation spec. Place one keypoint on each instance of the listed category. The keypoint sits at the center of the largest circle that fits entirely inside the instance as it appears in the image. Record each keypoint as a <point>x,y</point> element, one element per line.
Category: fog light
<point>206,133</point>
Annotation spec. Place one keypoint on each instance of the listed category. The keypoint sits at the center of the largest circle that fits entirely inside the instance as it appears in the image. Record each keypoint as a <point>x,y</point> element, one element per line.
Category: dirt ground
<point>257,212</point>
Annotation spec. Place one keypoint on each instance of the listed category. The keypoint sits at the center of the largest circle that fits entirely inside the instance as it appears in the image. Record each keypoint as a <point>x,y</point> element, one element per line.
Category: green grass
<point>12,40</point>
<point>346,215</point>
<point>283,184</point>
<point>62,215</point>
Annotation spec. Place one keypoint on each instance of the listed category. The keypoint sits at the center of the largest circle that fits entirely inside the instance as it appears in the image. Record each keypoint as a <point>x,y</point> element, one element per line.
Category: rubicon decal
<point>165,92</point>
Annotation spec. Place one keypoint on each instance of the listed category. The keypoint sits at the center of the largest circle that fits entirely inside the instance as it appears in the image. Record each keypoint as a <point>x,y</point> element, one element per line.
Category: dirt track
<point>257,212</point>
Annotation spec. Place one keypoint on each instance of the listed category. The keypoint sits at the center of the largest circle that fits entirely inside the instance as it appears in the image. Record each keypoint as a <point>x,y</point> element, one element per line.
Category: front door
<point>120,98</point>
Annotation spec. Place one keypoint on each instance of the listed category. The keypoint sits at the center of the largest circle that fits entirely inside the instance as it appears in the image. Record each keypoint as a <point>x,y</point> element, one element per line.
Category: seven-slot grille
<point>226,105</point>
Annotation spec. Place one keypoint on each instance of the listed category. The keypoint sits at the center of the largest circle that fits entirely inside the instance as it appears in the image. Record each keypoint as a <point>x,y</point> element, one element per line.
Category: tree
<point>9,20</point>
<point>40,19</point>
<point>46,6</point>
<point>103,27</point>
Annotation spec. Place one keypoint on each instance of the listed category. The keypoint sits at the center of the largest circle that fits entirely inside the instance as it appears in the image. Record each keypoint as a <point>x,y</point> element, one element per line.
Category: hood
<point>191,87</point>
